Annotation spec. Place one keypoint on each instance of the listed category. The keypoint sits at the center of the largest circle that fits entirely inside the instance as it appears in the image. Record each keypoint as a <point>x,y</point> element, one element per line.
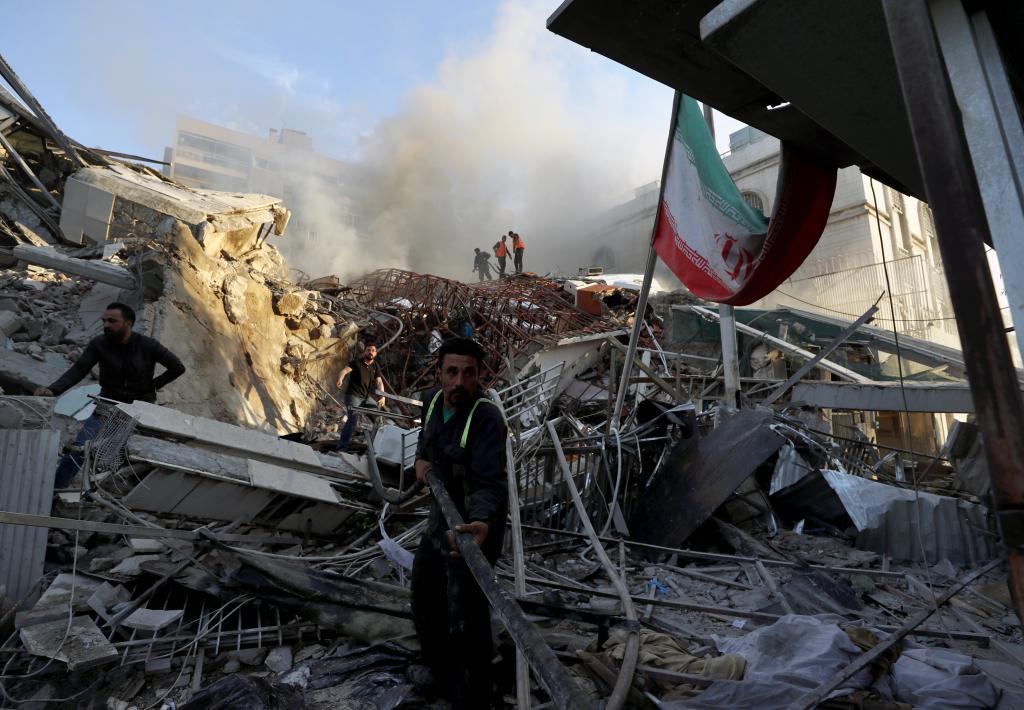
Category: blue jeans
<point>71,463</point>
<point>353,419</point>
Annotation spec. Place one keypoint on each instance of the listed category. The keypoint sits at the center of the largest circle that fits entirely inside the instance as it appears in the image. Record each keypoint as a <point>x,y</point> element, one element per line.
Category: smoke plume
<point>510,136</point>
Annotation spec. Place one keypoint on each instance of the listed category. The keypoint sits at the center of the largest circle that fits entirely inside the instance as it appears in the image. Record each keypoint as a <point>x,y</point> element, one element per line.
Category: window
<point>753,199</point>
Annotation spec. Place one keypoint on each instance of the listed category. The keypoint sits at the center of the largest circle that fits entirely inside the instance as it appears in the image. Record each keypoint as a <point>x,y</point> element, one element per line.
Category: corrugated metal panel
<point>28,461</point>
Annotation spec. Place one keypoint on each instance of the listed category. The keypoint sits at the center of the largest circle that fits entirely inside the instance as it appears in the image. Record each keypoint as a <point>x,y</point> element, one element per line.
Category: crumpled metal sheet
<point>906,525</point>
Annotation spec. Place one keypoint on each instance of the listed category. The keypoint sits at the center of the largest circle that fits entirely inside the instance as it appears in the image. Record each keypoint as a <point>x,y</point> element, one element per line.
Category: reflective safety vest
<point>469,420</point>
<point>462,441</point>
<point>500,250</point>
<point>519,243</point>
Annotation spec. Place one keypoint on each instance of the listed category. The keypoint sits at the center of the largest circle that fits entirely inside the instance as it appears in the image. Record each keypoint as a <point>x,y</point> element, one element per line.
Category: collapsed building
<point>831,539</point>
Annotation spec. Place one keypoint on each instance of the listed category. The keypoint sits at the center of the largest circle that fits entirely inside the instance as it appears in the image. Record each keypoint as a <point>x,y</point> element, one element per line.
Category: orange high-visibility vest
<point>519,243</point>
<point>500,249</point>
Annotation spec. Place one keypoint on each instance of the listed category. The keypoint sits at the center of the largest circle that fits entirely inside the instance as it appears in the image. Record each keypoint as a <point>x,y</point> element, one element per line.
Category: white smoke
<point>520,129</point>
<point>529,132</point>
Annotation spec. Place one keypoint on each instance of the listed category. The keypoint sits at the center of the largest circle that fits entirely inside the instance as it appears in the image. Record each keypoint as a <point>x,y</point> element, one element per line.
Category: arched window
<point>753,199</point>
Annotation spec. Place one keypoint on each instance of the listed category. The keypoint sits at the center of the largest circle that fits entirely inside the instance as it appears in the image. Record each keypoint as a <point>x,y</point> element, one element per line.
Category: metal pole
<point>994,134</point>
<point>563,690</point>
<point>730,358</point>
<point>952,190</point>
<point>645,289</point>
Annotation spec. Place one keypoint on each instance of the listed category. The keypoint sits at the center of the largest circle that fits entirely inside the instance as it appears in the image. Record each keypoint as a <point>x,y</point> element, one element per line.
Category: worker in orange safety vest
<point>501,251</point>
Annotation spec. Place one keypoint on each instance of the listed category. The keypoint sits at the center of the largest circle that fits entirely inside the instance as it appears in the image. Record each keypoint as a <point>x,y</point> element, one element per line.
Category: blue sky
<point>115,73</point>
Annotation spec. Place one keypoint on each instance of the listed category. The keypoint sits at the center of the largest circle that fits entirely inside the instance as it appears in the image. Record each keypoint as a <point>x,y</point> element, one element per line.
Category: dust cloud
<point>518,129</point>
<point>519,134</point>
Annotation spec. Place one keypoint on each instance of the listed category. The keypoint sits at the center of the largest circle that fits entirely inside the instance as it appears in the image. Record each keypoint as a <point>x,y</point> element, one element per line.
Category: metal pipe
<point>952,190</point>
<point>629,659</point>
<point>518,557</point>
<point>645,288</point>
<point>549,671</point>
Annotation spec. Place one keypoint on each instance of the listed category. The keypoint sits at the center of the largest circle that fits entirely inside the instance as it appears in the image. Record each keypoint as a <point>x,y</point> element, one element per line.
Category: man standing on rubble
<point>501,251</point>
<point>518,247</point>
<point>482,264</point>
<point>463,443</point>
<point>365,372</point>
<point>127,363</point>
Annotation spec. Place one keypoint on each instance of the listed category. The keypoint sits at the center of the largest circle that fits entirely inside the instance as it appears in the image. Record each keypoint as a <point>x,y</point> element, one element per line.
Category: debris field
<point>821,543</point>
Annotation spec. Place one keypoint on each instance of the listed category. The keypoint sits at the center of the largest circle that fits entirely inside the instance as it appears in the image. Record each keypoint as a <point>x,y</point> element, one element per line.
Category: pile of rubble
<point>828,540</point>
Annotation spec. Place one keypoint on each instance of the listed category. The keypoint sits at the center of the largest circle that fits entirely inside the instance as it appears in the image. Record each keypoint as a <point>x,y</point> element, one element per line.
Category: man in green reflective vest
<point>463,443</point>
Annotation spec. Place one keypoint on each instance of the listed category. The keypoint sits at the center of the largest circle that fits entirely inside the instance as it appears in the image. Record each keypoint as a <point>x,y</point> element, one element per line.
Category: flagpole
<point>645,288</point>
<point>726,321</point>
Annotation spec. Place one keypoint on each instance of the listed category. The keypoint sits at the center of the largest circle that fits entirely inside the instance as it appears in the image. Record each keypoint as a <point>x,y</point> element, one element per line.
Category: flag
<point>720,247</point>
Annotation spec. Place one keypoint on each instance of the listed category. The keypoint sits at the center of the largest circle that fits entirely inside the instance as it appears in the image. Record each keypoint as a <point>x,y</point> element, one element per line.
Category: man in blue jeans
<point>362,384</point>
<point>127,362</point>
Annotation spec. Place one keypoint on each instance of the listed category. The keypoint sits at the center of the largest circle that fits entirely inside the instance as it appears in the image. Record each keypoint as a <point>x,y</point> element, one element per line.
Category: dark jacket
<point>475,476</point>
<point>126,369</point>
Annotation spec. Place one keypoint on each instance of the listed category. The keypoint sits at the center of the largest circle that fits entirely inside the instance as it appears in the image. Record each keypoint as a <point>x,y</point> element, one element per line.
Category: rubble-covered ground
<point>214,551</point>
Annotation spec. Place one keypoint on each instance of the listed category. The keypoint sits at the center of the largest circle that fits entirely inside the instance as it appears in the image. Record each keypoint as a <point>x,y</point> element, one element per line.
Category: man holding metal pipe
<point>463,444</point>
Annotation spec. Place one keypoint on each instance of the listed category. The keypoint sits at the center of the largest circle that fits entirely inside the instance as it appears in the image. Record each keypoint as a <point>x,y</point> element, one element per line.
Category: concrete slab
<point>18,371</point>
<point>132,566</point>
<point>152,619</point>
<point>192,495</point>
<point>146,545</point>
<point>73,402</point>
<point>74,589</point>
<point>84,647</point>
<point>295,483</point>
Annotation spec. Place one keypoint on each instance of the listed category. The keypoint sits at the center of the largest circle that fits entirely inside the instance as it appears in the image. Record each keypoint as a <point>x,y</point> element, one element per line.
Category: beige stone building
<point>283,163</point>
<point>872,230</point>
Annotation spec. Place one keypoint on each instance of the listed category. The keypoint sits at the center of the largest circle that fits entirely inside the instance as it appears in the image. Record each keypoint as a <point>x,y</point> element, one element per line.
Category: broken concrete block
<point>85,646</point>
<point>53,332</point>
<point>234,287</point>
<point>9,304</point>
<point>232,666</point>
<point>17,370</point>
<point>292,304</point>
<point>146,545</point>
<point>132,566</point>
<point>10,323</point>
<point>250,656</point>
<point>279,659</point>
<point>152,619</point>
<point>74,589</point>
<point>156,666</point>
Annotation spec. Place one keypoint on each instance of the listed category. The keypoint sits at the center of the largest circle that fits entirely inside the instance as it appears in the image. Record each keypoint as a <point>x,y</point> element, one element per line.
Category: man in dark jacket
<point>482,264</point>
<point>463,443</point>
<point>127,363</point>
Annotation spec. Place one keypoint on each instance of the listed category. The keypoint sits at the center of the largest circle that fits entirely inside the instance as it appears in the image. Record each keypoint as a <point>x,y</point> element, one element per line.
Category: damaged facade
<point>830,540</point>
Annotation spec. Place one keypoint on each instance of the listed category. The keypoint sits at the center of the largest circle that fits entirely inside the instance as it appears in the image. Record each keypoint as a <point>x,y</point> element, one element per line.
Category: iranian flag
<point>721,248</point>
